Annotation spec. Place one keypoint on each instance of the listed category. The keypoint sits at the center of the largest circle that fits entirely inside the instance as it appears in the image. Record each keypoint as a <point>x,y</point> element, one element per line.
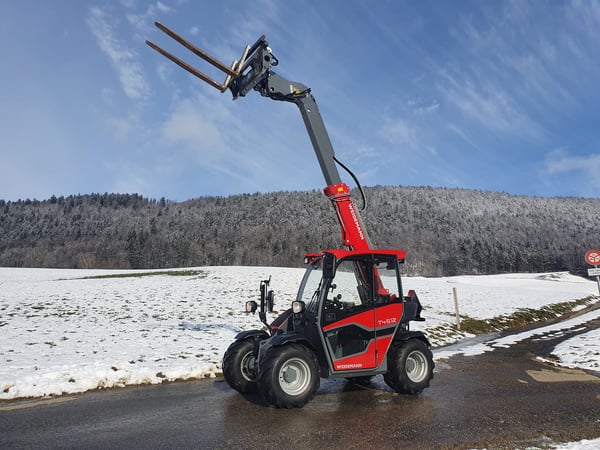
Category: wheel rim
<point>248,366</point>
<point>294,376</point>
<point>416,366</point>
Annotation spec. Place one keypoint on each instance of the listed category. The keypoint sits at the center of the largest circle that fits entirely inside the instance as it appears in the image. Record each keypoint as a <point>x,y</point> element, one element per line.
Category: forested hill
<point>445,231</point>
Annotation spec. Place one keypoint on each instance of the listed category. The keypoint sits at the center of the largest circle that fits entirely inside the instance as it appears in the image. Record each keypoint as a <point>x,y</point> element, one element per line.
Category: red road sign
<point>593,258</point>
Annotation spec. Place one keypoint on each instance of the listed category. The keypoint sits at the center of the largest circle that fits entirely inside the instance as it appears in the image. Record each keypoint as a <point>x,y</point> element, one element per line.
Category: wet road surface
<point>502,399</point>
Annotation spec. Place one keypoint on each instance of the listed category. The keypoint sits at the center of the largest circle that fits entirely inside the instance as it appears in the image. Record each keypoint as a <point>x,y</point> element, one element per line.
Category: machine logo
<point>349,366</point>
<point>356,222</point>
<point>384,322</point>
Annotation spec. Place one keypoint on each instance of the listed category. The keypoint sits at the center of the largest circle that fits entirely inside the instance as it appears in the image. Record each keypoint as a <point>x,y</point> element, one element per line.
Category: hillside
<point>445,231</point>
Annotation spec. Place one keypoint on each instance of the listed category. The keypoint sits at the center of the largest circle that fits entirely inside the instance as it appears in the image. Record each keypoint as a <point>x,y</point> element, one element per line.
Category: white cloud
<point>586,16</point>
<point>399,131</point>
<point>189,127</point>
<point>124,60</point>
<point>132,178</point>
<point>488,104</point>
<point>513,71</point>
<point>461,133</point>
<point>108,95</point>
<point>420,107</point>
<point>165,70</point>
<point>559,162</point>
<point>128,3</point>
<point>120,128</point>
<point>366,151</point>
<point>162,7</point>
<point>143,22</point>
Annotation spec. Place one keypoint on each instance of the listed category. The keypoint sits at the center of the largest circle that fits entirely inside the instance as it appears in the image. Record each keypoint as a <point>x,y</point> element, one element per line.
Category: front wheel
<point>239,366</point>
<point>289,376</point>
<point>410,366</point>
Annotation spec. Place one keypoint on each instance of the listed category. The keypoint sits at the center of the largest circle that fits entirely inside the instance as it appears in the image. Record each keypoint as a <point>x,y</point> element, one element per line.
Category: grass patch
<point>444,334</point>
<point>176,273</point>
<point>520,318</point>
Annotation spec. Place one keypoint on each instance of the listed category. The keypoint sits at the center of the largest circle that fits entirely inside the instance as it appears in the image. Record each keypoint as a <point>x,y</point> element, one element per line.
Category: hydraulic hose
<point>362,193</point>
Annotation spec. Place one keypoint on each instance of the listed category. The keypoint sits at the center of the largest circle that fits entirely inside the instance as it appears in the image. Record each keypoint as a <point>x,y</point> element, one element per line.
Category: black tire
<point>410,366</point>
<point>239,366</point>
<point>289,376</point>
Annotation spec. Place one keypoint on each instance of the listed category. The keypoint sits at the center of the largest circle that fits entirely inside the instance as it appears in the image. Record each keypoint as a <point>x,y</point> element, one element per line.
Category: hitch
<point>243,74</point>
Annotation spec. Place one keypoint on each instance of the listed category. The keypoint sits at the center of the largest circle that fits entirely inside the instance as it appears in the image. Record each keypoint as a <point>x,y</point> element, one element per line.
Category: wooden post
<point>454,294</point>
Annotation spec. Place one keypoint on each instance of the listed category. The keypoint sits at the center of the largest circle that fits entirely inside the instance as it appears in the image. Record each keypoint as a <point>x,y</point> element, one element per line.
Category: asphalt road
<point>502,399</point>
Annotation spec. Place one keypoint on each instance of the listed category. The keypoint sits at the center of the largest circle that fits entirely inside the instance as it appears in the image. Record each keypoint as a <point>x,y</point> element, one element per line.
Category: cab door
<point>361,313</point>
<point>348,317</point>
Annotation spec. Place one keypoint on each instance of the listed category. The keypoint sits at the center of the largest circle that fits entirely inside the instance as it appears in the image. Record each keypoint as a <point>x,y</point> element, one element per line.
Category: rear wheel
<point>410,366</point>
<point>239,366</point>
<point>289,376</point>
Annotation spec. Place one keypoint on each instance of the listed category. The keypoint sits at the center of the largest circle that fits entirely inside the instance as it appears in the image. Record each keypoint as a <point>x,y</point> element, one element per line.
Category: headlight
<point>298,307</point>
<point>251,307</point>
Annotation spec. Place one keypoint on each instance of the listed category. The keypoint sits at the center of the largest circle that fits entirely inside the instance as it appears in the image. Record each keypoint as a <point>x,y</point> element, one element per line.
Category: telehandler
<point>350,318</point>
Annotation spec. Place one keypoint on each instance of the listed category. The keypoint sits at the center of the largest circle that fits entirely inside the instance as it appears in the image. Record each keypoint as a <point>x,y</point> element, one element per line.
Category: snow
<point>586,444</point>
<point>581,351</point>
<point>483,297</point>
<point>61,332</point>
<point>588,355</point>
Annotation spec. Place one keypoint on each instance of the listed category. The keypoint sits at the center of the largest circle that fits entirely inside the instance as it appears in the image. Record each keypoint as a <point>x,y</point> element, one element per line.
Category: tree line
<point>445,231</point>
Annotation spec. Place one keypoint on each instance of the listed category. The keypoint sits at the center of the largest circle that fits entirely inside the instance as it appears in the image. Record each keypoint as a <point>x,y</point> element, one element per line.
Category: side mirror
<point>251,307</point>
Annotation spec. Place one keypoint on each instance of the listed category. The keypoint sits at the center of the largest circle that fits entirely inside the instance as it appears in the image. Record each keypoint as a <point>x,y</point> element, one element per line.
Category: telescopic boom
<point>253,71</point>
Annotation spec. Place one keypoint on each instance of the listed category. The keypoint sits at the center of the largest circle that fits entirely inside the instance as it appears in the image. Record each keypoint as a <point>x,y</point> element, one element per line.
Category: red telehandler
<point>350,318</point>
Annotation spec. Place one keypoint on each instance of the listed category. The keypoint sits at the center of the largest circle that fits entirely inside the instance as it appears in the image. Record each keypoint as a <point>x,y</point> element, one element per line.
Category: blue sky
<point>490,95</point>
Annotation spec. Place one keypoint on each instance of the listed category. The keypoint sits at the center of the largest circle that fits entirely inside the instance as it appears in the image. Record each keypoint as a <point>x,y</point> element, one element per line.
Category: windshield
<point>311,286</point>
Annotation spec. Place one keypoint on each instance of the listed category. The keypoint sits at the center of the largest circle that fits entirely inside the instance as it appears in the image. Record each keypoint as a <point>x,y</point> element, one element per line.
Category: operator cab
<point>355,305</point>
<point>352,280</point>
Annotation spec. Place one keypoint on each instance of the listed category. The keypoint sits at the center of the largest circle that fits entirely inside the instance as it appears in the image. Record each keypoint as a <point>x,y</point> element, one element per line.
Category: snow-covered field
<point>63,333</point>
<point>60,333</point>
